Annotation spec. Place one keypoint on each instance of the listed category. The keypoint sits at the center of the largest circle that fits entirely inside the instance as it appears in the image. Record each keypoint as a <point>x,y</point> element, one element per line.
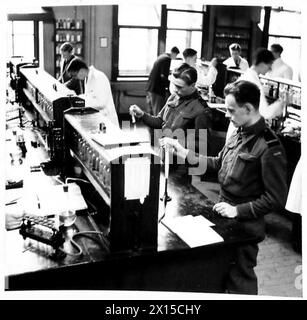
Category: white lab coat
<point>204,79</point>
<point>294,200</point>
<point>267,111</point>
<point>280,70</point>
<point>98,94</point>
<point>230,63</point>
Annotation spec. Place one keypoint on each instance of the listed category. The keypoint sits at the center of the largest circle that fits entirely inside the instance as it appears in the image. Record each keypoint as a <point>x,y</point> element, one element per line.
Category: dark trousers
<point>241,277</point>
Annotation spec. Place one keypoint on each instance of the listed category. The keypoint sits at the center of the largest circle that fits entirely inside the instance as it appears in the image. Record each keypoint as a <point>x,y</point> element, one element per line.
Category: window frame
<point>281,35</point>
<point>35,36</point>
<point>161,41</point>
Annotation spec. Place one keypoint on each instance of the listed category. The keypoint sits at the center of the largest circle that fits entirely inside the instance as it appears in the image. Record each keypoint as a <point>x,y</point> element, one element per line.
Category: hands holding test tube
<point>135,111</point>
<point>222,208</point>
<point>174,145</point>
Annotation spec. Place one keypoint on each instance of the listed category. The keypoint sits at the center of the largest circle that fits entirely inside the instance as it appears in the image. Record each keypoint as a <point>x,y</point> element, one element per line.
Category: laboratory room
<point>153,148</point>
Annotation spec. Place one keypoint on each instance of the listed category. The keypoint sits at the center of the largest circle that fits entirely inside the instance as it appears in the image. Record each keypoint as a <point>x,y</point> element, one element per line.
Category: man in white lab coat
<point>235,60</point>
<point>279,68</point>
<point>97,89</point>
<point>204,79</point>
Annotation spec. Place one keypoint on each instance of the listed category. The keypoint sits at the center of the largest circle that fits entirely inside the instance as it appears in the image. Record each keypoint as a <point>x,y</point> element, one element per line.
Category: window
<point>288,35</point>
<point>184,28</point>
<point>19,34</point>
<point>138,38</point>
<point>145,31</point>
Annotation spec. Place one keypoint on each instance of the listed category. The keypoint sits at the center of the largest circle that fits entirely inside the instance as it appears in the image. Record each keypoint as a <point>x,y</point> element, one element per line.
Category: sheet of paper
<point>137,178</point>
<point>194,231</point>
<point>53,200</point>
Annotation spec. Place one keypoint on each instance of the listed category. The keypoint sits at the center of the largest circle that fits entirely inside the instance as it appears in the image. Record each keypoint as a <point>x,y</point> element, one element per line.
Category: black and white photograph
<point>153,149</point>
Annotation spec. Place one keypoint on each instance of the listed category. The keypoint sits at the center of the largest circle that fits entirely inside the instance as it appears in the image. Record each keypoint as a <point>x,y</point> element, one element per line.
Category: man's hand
<point>174,145</point>
<point>225,210</point>
<point>136,111</point>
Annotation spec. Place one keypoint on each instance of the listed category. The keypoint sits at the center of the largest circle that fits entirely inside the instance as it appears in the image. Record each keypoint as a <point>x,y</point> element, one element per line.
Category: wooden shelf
<point>76,30</point>
<point>79,45</point>
<point>232,34</point>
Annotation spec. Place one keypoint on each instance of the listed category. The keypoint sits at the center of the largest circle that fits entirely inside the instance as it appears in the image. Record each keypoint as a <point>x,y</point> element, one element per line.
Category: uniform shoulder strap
<point>270,138</point>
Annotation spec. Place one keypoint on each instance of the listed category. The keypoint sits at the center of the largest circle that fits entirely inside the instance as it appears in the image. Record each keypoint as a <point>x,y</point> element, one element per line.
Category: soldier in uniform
<point>184,109</point>
<point>252,176</point>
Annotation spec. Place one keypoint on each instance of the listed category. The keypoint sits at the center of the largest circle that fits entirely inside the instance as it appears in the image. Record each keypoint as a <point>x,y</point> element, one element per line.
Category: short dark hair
<point>66,46</point>
<point>277,48</point>
<point>175,50</point>
<point>263,55</point>
<point>189,52</point>
<point>75,65</point>
<point>244,92</point>
<point>235,46</point>
<point>185,72</point>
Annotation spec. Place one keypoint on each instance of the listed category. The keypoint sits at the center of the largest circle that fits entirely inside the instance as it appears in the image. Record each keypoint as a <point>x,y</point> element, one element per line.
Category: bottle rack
<point>290,92</point>
<point>68,30</point>
<point>225,35</point>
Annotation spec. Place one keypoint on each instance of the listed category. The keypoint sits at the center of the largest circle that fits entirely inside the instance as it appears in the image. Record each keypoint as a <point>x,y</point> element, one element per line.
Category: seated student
<point>184,109</point>
<point>279,68</point>
<point>235,60</point>
<point>252,175</point>
<point>97,89</point>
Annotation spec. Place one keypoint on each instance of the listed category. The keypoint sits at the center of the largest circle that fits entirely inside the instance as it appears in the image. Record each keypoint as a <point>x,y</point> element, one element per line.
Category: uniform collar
<point>194,95</point>
<point>254,129</point>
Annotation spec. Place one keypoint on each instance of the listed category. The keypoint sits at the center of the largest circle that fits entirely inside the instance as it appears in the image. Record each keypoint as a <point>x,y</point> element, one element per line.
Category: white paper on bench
<point>194,231</point>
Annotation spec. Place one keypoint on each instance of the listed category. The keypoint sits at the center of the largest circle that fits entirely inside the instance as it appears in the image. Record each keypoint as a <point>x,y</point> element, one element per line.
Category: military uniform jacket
<point>189,112</point>
<point>251,171</point>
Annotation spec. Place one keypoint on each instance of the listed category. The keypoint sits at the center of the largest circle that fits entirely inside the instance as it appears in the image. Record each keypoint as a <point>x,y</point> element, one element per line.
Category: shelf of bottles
<point>290,123</point>
<point>68,30</point>
<point>224,36</point>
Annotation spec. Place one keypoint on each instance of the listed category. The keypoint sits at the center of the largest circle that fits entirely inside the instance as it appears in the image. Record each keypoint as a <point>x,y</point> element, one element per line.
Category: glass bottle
<point>68,216</point>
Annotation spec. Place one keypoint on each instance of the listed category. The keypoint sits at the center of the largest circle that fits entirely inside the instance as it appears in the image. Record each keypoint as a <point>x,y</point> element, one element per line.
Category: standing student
<point>190,57</point>
<point>235,60</point>
<point>97,88</point>
<point>279,68</point>
<point>158,83</point>
<point>67,55</point>
<point>262,63</point>
<point>252,175</point>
